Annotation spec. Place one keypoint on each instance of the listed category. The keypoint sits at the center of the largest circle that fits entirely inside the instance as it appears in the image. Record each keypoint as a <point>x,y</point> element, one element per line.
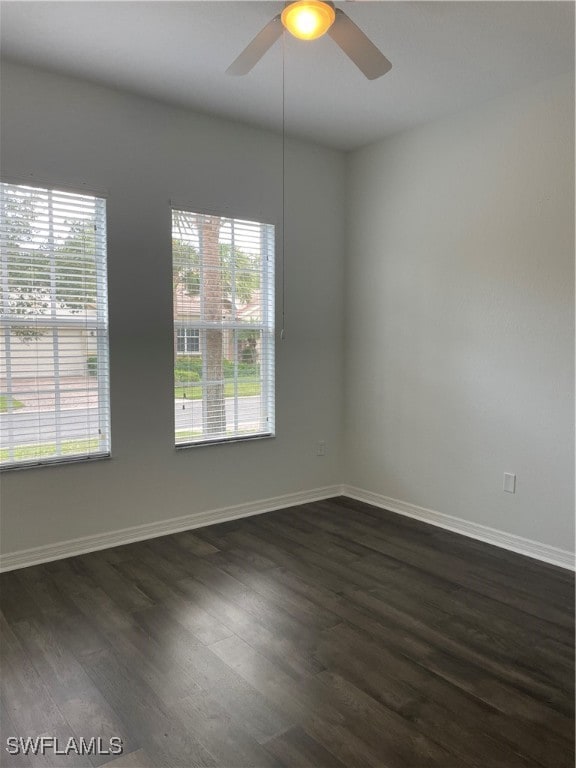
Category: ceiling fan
<point>308,20</point>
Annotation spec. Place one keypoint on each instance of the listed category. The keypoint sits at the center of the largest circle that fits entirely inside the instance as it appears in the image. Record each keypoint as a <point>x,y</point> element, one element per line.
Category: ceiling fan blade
<point>358,47</point>
<point>254,51</point>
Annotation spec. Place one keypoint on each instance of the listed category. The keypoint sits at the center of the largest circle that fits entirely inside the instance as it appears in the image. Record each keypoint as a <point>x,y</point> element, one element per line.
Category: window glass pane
<point>223,280</point>
<point>193,340</point>
<point>54,400</point>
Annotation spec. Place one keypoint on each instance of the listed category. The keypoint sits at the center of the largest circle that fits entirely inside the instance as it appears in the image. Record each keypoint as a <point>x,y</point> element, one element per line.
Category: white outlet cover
<point>509,483</point>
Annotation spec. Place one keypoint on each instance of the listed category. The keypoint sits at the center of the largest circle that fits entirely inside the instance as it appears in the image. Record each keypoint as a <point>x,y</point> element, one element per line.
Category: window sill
<point>59,462</point>
<point>225,441</point>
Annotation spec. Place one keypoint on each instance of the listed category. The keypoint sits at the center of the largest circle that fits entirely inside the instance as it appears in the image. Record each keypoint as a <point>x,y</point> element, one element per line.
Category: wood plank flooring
<point>326,635</point>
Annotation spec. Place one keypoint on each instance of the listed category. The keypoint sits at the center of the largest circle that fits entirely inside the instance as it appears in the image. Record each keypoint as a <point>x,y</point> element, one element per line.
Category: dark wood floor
<point>327,635</point>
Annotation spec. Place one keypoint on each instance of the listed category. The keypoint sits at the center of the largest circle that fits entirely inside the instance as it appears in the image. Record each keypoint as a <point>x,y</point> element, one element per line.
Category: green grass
<point>5,404</point>
<point>194,391</point>
<point>187,434</point>
<point>48,450</point>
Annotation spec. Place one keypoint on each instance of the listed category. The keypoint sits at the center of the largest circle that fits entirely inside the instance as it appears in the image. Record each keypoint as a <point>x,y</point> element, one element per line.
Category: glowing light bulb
<point>308,19</point>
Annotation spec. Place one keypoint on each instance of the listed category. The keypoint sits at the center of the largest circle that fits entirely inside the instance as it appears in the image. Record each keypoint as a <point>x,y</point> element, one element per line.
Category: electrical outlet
<point>320,448</point>
<point>509,483</point>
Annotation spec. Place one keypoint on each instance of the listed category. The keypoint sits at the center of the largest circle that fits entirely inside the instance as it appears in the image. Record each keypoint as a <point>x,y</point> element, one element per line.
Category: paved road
<point>30,427</point>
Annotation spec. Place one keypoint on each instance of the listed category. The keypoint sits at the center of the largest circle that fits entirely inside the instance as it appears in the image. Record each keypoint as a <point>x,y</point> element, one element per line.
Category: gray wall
<point>460,327</point>
<point>62,131</point>
<point>458,338</point>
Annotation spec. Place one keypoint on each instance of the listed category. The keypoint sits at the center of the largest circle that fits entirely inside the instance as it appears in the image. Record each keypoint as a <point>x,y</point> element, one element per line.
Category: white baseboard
<point>519,544</point>
<point>72,547</point>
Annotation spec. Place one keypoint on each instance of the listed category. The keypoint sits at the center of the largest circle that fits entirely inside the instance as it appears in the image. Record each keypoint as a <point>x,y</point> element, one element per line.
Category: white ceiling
<point>446,56</point>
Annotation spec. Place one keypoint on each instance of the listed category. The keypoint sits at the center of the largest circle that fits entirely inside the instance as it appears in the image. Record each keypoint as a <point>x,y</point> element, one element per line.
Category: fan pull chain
<point>283,331</point>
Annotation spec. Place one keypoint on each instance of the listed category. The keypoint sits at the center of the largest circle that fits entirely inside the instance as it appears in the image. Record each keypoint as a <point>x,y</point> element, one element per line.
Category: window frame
<point>267,326</point>
<point>186,335</point>
<point>97,327</point>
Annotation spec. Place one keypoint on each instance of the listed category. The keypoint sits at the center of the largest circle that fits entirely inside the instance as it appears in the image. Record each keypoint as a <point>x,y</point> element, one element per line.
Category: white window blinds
<point>223,282</point>
<point>54,380</point>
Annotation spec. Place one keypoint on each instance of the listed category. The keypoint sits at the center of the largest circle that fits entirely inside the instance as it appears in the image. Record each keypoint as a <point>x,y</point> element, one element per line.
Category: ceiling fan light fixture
<point>308,19</point>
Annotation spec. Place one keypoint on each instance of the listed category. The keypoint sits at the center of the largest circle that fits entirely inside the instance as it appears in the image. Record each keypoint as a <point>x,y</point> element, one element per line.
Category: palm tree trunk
<point>213,310</point>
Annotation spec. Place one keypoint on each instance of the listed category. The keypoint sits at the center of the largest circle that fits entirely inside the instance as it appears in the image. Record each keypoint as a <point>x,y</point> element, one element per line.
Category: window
<point>223,282</point>
<point>54,403</point>
<point>188,341</point>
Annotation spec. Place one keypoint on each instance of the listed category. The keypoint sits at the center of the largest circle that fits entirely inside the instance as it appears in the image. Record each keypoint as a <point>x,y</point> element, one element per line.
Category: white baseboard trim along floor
<point>72,547</point>
<point>511,541</point>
